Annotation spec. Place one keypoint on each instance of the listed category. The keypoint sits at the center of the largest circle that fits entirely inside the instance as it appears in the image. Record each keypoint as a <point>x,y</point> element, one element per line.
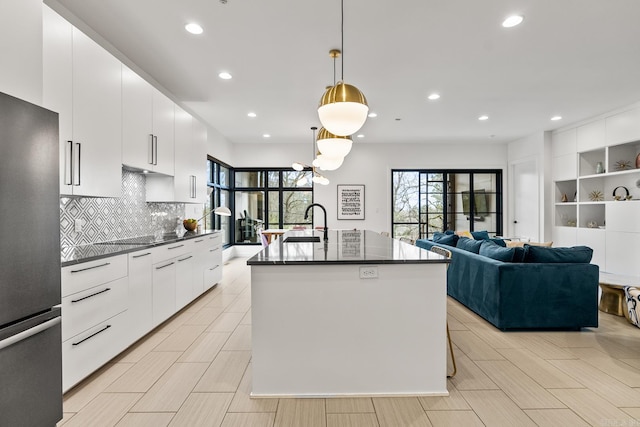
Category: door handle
<point>29,332</point>
<point>150,151</point>
<point>155,149</point>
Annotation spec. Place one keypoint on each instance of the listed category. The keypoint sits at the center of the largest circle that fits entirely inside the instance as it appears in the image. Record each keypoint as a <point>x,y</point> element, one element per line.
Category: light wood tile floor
<point>195,370</point>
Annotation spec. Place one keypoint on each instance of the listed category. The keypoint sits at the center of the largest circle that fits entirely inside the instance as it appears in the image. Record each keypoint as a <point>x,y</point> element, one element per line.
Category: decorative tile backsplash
<point>105,219</point>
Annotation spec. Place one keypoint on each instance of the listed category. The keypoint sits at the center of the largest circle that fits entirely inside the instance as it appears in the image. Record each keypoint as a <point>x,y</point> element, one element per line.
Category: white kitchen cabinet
<point>200,249</point>
<point>622,253</point>
<point>212,260</point>
<point>140,311</point>
<point>184,279</point>
<point>564,143</point>
<point>189,183</point>
<point>623,127</point>
<point>83,82</point>
<point>591,136</point>
<point>147,125</point>
<point>164,291</point>
<point>94,306</point>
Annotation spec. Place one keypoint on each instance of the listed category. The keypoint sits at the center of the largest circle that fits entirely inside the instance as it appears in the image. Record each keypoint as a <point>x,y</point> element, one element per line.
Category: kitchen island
<point>359,315</point>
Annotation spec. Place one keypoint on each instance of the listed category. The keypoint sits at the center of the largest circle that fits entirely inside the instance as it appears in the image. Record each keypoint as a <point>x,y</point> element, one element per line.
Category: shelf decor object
<point>596,196</point>
<point>626,196</point>
<point>564,198</point>
<point>592,224</point>
<point>638,161</point>
<point>622,165</point>
<point>599,168</point>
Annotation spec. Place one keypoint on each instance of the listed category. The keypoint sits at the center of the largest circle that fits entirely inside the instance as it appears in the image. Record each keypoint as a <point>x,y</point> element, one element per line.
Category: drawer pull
<point>175,247</point>
<point>213,268</point>
<point>92,295</point>
<point>198,241</point>
<point>166,265</point>
<point>92,335</point>
<point>214,249</point>
<point>184,259</point>
<point>91,268</point>
<point>141,255</point>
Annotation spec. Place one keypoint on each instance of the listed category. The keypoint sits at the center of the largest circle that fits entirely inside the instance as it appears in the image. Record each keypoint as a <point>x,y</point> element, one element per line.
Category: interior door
<point>526,200</point>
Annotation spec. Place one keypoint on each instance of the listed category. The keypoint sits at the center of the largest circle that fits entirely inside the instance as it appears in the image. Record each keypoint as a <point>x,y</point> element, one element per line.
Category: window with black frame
<point>219,186</point>
<point>429,201</point>
<point>270,198</point>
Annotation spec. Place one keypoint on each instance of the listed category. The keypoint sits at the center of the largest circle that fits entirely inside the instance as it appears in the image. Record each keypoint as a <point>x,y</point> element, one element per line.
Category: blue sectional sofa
<point>524,295</point>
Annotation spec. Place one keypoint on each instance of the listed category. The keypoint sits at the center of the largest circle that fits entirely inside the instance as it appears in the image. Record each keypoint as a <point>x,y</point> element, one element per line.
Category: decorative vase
<point>599,168</point>
<point>638,161</point>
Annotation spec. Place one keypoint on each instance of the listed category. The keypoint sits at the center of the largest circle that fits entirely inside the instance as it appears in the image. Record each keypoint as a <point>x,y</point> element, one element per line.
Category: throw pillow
<point>633,304</point>
<point>519,254</point>
<point>575,254</point>
<point>480,235</point>
<point>499,242</point>
<point>491,250</point>
<point>469,244</point>
<point>445,239</point>
<point>449,232</point>
<point>465,233</point>
<point>518,244</point>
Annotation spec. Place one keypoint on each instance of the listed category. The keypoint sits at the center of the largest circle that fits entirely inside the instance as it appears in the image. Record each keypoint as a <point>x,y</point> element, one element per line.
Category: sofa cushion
<point>499,242</point>
<point>445,239</point>
<point>492,250</point>
<point>519,254</point>
<point>469,244</point>
<point>480,235</point>
<point>575,254</point>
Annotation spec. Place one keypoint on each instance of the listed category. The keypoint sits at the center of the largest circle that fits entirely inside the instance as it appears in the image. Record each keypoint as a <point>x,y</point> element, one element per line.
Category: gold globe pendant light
<point>333,145</point>
<point>316,176</point>
<point>343,108</point>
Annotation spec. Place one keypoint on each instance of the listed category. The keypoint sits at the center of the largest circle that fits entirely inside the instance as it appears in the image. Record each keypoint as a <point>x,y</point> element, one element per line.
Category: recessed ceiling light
<point>483,117</point>
<point>360,135</point>
<point>556,118</point>
<point>512,21</point>
<point>251,114</point>
<point>193,28</point>
<point>224,75</point>
<point>434,96</point>
<point>266,135</point>
<point>372,115</point>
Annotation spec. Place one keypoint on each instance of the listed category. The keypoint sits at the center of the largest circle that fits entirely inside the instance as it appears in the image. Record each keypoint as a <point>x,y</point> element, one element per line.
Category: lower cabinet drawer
<point>89,350</point>
<point>212,275</point>
<point>84,309</point>
<point>76,278</point>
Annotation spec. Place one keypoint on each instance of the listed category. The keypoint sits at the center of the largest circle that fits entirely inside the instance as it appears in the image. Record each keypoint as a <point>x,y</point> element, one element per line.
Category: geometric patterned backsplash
<point>105,219</point>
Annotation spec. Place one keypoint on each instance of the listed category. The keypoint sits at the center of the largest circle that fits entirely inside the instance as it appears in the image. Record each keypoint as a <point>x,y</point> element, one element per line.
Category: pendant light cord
<point>342,37</point>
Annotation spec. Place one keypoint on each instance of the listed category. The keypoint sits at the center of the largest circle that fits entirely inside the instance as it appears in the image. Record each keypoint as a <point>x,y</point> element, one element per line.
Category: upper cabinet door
<point>82,82</point>
<point>137,121</point>
<point>591,136</point>
<point>163,132</point>
<point>97,118</point>
<point>147,125</point>
<point>623,127</point>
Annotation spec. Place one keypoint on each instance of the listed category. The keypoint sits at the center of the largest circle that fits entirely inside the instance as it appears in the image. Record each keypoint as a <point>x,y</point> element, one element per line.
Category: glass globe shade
<point>330,163</point>
<point>332,145</point>
<point>343,109</point>
<point>297,166</point>
<point>321,180</point>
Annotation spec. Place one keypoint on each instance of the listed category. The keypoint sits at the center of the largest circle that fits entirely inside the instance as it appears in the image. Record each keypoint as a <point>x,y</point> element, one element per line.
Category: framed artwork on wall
<point>350,201</point>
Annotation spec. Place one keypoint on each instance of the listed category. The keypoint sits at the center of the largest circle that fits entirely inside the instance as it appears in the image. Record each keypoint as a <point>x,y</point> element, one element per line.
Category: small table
<point>613,300</point>
<point>271,232</point>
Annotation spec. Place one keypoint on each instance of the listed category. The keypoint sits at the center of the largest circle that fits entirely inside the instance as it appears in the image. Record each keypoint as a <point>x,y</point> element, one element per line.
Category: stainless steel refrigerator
<point>30,334</point>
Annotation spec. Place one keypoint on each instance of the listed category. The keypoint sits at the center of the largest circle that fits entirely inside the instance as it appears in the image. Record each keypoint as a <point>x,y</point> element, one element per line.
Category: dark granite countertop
<point>71,255</point>
<point>343,247</point>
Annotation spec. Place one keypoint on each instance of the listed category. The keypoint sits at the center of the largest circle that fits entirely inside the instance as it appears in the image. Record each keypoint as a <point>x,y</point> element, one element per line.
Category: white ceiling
<point>574,58</point>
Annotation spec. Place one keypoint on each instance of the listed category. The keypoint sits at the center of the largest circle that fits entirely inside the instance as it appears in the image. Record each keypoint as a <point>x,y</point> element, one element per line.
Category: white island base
<point>319,330</point>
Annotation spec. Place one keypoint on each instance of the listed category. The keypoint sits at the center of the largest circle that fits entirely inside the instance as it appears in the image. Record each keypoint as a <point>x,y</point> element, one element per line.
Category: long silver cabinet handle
<point>166,265</point>
<point>68,164</point>
<point>150,151</point>
<point>155,149</point>
<point>92,335</point>
<point>141,255</point>
<point>91,268</point>
<point>92,295</point>
<point>175,247</point>
<point>77,169</point>
<point>29,332</point>
<point>184,259</point>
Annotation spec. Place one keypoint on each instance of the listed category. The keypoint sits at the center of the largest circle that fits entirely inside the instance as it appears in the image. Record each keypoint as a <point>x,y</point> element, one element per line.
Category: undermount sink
<point>301,239</point>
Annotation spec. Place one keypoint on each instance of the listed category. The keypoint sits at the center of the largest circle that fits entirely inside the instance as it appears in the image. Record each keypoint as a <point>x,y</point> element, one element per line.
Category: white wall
<point>371,164</point>
<point>219,147</point>
<point>21,48</point>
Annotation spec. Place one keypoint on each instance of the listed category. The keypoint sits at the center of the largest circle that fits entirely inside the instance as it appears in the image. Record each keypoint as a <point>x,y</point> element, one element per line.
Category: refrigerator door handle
<point>29,332</point>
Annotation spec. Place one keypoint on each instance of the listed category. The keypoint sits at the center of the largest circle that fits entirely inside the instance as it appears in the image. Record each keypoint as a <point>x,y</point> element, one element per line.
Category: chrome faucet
<point>306,215</point>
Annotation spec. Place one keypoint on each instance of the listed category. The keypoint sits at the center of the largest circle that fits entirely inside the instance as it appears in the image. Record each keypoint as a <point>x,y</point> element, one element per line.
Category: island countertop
<point>343,247</point>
